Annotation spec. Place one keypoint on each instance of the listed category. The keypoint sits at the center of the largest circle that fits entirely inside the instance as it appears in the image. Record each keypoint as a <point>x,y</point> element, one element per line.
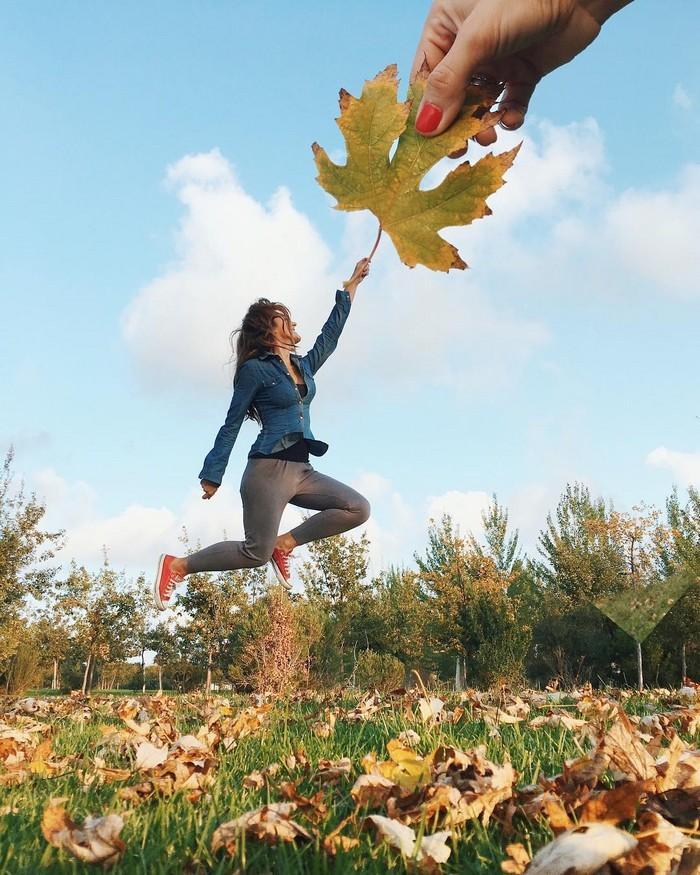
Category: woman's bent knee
<point>361,509</point>
<point>258,554</point>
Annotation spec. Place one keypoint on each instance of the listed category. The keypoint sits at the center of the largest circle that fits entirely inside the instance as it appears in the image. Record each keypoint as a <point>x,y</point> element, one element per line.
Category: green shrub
<point>380,671</point>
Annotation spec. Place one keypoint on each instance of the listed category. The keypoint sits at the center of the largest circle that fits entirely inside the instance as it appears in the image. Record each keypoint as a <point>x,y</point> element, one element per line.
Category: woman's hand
<point>208,488</point>
<point>514,42</point>
<point>360,272</point>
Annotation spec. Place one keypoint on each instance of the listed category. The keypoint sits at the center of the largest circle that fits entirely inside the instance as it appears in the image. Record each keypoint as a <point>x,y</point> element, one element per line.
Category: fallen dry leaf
<point>148,756</point>
<point>518,859</point>
<point>659,848</point>
<point>372,790</point>
<point>614,806</point>
<point>330,771</point>
<point>96,841</point>
<point>582,851</point>
<point>270,824</point>
<point>433,848</point>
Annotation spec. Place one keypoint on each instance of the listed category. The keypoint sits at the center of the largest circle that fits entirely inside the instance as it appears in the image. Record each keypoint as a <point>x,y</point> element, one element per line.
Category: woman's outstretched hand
<point>208,488</point>
<point>360,272</point>
<point>513,42</point>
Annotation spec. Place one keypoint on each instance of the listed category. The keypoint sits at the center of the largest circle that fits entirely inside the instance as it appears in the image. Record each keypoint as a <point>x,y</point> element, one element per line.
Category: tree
<point>164,642</point>
<point>646,597</point>
<point>681,627</point>
<point>212,604</point>
<point>99,610</point>
<point>24,546</point>
<point>276,657</point>
<point>582,558</point>
<point>53,639</point>
<point>141,623</point>
<point>400,616</point>
<point>335,581</point>
<point>473,617</point>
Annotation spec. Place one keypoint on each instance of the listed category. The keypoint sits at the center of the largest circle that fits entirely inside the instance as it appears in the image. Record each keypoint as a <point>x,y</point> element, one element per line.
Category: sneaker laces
<point>173,581</point>
<point>283,562</point>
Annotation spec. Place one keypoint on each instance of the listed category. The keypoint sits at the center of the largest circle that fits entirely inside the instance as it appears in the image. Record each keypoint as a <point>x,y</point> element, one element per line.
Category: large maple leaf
<point>389,185</point>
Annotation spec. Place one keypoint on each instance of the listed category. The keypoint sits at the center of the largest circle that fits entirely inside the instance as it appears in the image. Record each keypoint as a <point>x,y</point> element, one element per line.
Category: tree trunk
<point>207,687</point>
<point>91,675</point>
<point>83,689</point>
<point>684,664</point>
<point>54,680</point>
<point>143,672</point>
<point>640,674</point>
<point>160,678</point>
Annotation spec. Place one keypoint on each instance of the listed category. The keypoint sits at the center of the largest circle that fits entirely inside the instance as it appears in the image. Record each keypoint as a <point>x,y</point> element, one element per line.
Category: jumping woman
<point>274,386</point>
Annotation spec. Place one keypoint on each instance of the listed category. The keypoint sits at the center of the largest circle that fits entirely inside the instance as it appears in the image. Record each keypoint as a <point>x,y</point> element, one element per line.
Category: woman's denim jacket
<point>265,382</point>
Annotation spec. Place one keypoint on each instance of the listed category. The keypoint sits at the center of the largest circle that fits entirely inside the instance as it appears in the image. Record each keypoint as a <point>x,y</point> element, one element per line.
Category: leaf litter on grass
<point>630,795</point>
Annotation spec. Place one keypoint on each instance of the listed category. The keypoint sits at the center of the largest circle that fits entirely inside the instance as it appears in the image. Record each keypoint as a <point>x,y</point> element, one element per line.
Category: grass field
<point>122,756</point>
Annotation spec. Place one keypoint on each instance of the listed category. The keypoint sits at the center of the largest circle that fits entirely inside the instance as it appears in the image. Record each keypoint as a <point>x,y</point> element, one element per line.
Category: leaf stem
<point>376,243</point>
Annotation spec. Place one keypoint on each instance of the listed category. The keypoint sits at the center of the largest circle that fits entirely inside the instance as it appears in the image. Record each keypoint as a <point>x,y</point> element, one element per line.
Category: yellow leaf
<point>405,767</point>
<point>389,186</point>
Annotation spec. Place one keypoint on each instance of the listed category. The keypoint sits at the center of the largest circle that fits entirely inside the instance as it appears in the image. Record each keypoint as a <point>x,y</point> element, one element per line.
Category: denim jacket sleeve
<point>327,340</point>
<point>244,389</point>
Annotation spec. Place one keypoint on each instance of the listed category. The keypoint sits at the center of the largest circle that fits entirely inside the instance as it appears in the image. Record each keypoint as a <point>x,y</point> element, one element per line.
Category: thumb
<point>446,86</point>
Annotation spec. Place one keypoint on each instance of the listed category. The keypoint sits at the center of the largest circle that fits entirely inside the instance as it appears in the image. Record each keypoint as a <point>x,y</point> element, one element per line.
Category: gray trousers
<point>267,486</point>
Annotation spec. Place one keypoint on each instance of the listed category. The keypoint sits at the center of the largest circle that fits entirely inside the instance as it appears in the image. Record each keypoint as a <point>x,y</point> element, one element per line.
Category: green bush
<point>380,671</point>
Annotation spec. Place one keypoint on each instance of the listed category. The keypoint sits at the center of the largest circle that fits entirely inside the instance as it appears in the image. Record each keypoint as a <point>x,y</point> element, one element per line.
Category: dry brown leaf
<point>335,842</point>
<point>137,792</point>
<point>614,806</point>
<point>582,851</point>
<point>372,790</point>
<point>314,807</point>
<point>627,752</point>
<point>660,847</point>
<point>554,811</point>
<point>270,824</point>
<point>96,841</point>
<point>558,720</point>
<point>409,738</point>
<point>432,850</point>
<point>331,771</point>
<point>148,756</point>
<point>519,859</point>
<point>586,769</point>
<point>254,781</point>
<point>679,806</point>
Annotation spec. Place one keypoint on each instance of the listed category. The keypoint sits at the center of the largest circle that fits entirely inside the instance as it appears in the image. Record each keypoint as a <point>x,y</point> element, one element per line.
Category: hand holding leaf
<point>389,186</point>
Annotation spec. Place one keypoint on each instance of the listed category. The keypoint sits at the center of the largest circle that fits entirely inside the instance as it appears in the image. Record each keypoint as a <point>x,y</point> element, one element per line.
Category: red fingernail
<point>428,118</point>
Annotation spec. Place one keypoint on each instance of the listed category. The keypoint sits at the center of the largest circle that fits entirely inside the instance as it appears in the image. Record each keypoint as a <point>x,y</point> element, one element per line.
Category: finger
<point>447,84</point>
<point>515,102</point>
<point>435,42</point>
<point>459,153</point>
<point>487,137</point>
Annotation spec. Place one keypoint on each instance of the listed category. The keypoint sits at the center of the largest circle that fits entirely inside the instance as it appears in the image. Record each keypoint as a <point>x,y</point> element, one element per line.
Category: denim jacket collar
<point>271,354</point>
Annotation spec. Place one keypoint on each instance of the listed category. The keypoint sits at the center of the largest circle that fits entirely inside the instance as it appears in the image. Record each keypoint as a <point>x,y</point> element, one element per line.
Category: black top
<point>298,452</point>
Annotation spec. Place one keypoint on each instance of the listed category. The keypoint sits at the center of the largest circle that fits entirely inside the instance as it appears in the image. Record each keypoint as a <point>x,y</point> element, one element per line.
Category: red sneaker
<point>165,582</point>
<point>280,564</point>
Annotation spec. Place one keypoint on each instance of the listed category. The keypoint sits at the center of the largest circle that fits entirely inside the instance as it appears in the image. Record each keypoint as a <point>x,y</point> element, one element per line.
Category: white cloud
<point>230,250</point>
<point>465,508</point>
<point>68,504</point>
<point>654,235</point>
<point>681,98</point>
<point>685,467</point>
<point>408,326</point>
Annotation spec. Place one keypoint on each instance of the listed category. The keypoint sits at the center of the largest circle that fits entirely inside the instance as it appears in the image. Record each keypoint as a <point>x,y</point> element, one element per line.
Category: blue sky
<point>145,146</point>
